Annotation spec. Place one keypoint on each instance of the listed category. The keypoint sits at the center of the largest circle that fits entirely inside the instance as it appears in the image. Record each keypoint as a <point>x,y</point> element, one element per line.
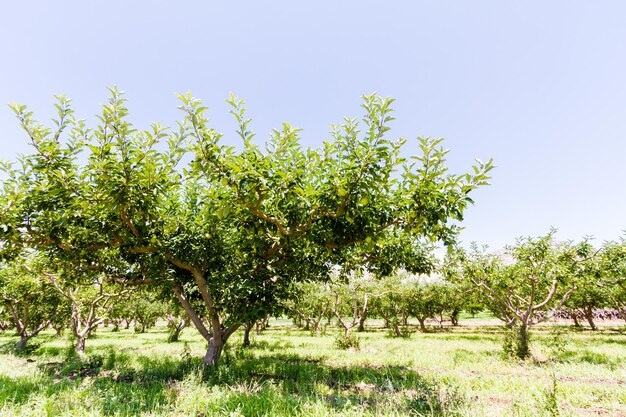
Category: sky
<point>538,86</point>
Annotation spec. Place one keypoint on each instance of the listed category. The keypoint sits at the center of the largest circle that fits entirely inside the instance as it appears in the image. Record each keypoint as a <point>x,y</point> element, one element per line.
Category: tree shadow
<point>268,384</point>
<point>590,357</point>
<point>369,387</point>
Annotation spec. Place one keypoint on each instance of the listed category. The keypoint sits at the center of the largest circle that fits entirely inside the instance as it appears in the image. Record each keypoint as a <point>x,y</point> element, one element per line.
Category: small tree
<point>590,294</point>
<point>177,320</point>
<point>31,303</point>
<point>614,267</point>
<point>424,301</point>
<point>448,300</point>
<point>91,297</point>
<point>352,302</point>
<point>528,282</point>
<point>350,305</point>
<point>311,304</point>
<point>147,310</point>
<point>393,305</point>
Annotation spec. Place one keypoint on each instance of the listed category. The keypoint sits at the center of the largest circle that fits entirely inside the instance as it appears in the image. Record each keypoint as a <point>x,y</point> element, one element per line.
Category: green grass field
<point>288,372</point>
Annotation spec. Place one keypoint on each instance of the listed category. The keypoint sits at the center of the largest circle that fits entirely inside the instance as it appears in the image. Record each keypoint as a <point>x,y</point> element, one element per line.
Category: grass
<point>288,372</point>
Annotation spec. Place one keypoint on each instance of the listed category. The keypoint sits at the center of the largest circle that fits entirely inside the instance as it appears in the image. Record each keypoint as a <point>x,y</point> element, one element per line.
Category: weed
<point>352,341</point>
<point>515,343</point>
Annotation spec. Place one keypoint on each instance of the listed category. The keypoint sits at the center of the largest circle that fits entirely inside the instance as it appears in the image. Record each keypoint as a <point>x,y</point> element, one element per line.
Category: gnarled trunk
<point>246,333</point>
<point>422,322</point>
<point>517,343</point>
<point>80,345</point>
<point>316,328</point>
<point>174,334</point>
<point>588,311</point>
<point>217,342</point>
<point>523,350</point>
<point>214,352</point>
<point>22,342</point>
<point>362,321</point>
<point>454,317</point>
<point>574,315</point>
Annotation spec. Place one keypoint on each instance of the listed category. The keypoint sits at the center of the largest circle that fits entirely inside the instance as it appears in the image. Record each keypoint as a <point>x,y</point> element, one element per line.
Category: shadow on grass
<point>29,349</point>
<point>612,339</point>
<point>273,384</point>
<point>300,380</point>
<point>493,337</point>
<point>593,358</point>
<point>19,390</point>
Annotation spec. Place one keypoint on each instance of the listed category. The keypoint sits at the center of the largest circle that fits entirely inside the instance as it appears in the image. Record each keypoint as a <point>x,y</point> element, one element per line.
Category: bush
<point>514,345</point>
<point>322,330</point>
<point>352,341</point>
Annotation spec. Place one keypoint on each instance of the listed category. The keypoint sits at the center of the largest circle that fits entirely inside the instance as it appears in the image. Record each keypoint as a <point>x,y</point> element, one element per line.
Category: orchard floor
<point>287,372</point>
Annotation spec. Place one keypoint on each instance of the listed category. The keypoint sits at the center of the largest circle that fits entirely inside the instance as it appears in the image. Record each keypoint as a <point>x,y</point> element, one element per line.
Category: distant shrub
<point>515,345</point>
<point>350,342</point>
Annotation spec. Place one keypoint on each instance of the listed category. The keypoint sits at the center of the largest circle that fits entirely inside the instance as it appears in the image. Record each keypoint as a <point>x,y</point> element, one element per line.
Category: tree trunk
<point>508,323</point>
<point>346,332</point>
<point>574,315</point>
<point>22,342</point>
<point>522,350</point>
<point>307,326</point>
<point>454,317</point>
<point>362,322</point>
<point>213,352</point>
<point>397,330</point>
<point>246,334</point>
<point>316,328</point>
<point>589,316</point>
<point>174,334</point>
<point>80,345</point>
<point>422,324</point>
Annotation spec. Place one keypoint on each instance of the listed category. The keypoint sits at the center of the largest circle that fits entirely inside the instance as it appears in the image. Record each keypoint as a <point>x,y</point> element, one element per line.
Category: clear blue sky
<point>540,86</point>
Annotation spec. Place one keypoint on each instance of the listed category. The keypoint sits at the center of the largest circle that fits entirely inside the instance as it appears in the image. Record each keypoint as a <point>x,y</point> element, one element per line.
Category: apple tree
<point>236,227</point>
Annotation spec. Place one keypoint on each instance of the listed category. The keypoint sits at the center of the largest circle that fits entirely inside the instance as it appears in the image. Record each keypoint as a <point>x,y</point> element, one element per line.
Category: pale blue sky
<point>539,86</point>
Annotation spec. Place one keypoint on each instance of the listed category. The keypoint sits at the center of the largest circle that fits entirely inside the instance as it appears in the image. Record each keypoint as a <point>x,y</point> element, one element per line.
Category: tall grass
<point>289,372</point>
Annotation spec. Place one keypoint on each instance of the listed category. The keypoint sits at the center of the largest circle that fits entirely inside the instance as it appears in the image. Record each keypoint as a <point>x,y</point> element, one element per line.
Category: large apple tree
<point>228,228</point>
